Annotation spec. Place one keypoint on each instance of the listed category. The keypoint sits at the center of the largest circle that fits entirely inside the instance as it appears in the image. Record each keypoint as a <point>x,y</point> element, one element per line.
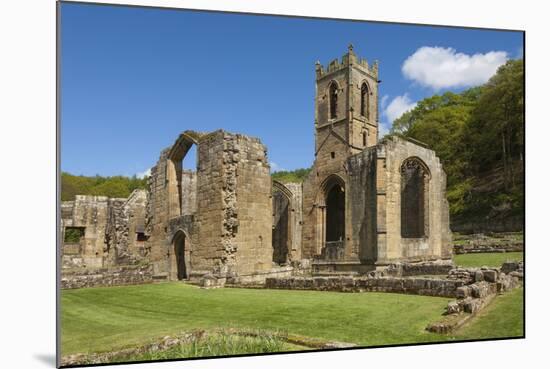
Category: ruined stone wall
<point>247,206</point>
<point>287,222</point>
<point>188,192</point>
<point>109,230</point>
<point>210,204</point>
<point>125,230</point>
<point>295,221</point>
<point>362,189</point>
<point>231,228</point>
<point>391,245</point>
<point>156,218</point>
<point>116,233</point>
<point>106,277</point>
<point>413,285</point>
<point>137,239</point>
<point>91,214</point>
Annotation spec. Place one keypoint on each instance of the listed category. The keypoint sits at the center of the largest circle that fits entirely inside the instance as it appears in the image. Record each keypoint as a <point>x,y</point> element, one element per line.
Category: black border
<point>58,180</point>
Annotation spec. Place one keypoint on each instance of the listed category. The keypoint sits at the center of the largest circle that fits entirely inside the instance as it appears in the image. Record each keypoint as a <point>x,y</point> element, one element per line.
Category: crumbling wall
<point>89,213</point>
<point>287,222</point>
<point>137,239</point>
<point>392,246</point>
<point>156,216</point>
<point>125,230</point>
<point>106,277</point>
<point>362,188</point>
<point>233,219</point>
<point>253,204</point>
<point>109,226</point>
<point>188,192</point>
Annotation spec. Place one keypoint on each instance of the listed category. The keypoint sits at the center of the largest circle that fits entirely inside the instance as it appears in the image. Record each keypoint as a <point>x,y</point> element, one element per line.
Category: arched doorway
<point>180,255</point>
<point>333,218</point>
<point>415,177</point>
<point>336,214</point>
<point>281,227</point>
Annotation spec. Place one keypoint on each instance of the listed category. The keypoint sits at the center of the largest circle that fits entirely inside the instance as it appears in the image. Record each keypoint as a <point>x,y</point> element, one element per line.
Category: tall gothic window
<point>333,93</point>
<point>414,198</point>
<point>365,100</point>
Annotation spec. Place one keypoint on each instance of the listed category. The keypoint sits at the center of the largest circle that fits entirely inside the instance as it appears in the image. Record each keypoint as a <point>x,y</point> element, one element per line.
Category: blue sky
<point>133,78</point>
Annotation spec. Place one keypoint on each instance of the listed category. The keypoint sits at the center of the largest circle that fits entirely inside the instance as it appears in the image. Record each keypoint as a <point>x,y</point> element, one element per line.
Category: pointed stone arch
<point>331,205</point>
<point>180,256</point>
<point>415,196</point>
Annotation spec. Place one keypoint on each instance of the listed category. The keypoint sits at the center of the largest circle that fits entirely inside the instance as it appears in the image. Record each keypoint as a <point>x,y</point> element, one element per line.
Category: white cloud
<point>384,101</point>
<point>383,129</point>
<point>398,106</point>
<point>439,67</point>
<point>144,173</point>
<point>275,167</point>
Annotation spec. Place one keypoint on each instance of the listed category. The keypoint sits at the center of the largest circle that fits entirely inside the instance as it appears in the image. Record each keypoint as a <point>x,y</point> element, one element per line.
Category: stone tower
<point>346,106</point>
<point>346,123</point>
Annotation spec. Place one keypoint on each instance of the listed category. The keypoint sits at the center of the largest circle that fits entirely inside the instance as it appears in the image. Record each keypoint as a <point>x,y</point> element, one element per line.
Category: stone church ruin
<point>367,204</point>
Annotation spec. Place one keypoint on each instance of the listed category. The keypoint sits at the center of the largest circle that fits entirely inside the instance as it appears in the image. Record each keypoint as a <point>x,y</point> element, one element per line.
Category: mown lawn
<point>105,319</point>
<point>490,259</point>
<point>502,318</point>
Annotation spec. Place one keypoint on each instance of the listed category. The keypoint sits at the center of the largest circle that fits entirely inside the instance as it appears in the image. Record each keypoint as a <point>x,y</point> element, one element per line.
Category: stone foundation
<point>414,286</point>
<point>106,277</point>
<point>476,243</point>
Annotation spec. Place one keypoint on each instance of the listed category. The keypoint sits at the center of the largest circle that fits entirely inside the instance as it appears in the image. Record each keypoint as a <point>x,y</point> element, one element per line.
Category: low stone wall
<point>493,242</point>
<point>413,285</point>
<point>261,276</point>
<point>481,286</point>
<point>106,277</point>
<point>441,267</point>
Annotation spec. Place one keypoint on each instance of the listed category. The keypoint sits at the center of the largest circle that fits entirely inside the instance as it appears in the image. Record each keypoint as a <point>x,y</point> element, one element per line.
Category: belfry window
<point>333,95</point>
<point>365,100</point>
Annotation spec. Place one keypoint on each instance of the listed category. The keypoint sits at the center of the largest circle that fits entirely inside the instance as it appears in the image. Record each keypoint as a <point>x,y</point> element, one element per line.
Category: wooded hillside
<point>479,137</point>
<point>116,186</point>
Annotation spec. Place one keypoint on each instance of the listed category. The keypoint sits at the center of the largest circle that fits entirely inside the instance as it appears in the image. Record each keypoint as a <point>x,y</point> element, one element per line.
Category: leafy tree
<point>296,176</point>
<point>478,135</point>
<point>116,186</point>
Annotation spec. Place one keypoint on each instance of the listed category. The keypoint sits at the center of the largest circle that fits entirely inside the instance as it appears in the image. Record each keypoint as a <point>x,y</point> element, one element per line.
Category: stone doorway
<point>281,227</point>
<point>180,255</point>
<point>335,222</point>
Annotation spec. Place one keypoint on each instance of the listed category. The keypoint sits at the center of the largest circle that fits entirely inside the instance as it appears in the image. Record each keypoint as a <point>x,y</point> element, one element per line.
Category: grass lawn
<point>502,318</point>
<point>105,319</point>
<point>490,259</point>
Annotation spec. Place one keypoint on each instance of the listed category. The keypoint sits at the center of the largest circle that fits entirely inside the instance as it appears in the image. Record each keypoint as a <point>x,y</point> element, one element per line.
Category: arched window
<point>333,95</point>
<point>414,198</point>
<point>365,100</point>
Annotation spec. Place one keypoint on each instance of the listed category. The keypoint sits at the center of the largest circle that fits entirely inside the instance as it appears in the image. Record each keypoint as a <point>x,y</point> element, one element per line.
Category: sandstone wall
<point>156,218</point>
<point>287,222</point>
<point>106,277</point>
<point>224,209</point>
<point>392,246</point>
<point>91,214</point>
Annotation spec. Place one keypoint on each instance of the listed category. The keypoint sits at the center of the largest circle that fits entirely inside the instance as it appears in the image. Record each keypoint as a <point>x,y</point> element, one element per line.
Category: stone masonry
<point>367,204</point>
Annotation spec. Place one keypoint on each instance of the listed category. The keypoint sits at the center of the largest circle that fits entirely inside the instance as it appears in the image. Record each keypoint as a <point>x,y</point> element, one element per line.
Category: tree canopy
<point>116,186</point>
<point>479,136</point>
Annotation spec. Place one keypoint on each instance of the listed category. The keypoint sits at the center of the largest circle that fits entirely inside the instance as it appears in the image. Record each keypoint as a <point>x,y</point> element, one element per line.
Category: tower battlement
<point>347,60</point>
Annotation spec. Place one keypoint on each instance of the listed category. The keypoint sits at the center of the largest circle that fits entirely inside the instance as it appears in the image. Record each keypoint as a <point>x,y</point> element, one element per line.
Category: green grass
<point>502,318</point>
<point>106,319</point>
<point>221,344</point>
<point>490,259</point>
